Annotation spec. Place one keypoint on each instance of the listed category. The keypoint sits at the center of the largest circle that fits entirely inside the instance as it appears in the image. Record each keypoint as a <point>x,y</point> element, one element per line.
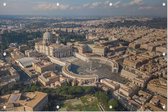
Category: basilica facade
<point>49,48</point>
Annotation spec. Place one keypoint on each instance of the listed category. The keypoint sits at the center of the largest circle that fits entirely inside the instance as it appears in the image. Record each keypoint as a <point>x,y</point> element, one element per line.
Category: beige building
<point>91,48</point>
<point>127,89</point>
<point>142,97</point>
<point>32,53</point>
<point>157,103</point>
<point>99,49</point>
<point>50,79</point>
<point>8,75</point>
<point>43,66</point>
<point>82,48</point>
<point>111,84</point>
<point>91,37</point>
<point>53,49</point>
<point>138,78</point>
<point>135,61</point>
<point>158,86</point>
<point>16,54</point>
<point>30,101</point>
<point>161,49</point>
<point>26,65</point>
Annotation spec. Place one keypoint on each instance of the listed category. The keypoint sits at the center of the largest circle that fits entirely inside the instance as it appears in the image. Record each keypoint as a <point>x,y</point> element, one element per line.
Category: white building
<point>53,49</point>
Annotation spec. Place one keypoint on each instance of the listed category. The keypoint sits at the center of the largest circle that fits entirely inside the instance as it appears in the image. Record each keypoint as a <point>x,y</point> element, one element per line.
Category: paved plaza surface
<point>103,70</point>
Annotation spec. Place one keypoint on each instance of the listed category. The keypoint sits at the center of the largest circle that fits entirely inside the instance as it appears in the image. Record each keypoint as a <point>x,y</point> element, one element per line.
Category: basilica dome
<point>47,35</point>
<point>47,38</point>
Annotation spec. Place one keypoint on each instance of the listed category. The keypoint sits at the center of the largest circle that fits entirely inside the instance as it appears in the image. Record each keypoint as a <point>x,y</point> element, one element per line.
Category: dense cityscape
<point>83,63</point>
<point>103,57</point>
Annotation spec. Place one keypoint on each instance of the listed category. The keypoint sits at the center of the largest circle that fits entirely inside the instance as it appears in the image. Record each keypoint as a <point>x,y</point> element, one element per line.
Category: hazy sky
<point>84,7</point>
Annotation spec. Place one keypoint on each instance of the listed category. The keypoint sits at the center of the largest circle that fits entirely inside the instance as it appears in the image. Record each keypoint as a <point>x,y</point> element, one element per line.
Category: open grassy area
<point>84,103</point>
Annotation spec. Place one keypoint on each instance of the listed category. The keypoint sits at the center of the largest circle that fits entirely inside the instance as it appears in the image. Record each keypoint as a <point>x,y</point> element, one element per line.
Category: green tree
<point>88,89</point>
<point>102,97</point>
<point>78,90</point>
